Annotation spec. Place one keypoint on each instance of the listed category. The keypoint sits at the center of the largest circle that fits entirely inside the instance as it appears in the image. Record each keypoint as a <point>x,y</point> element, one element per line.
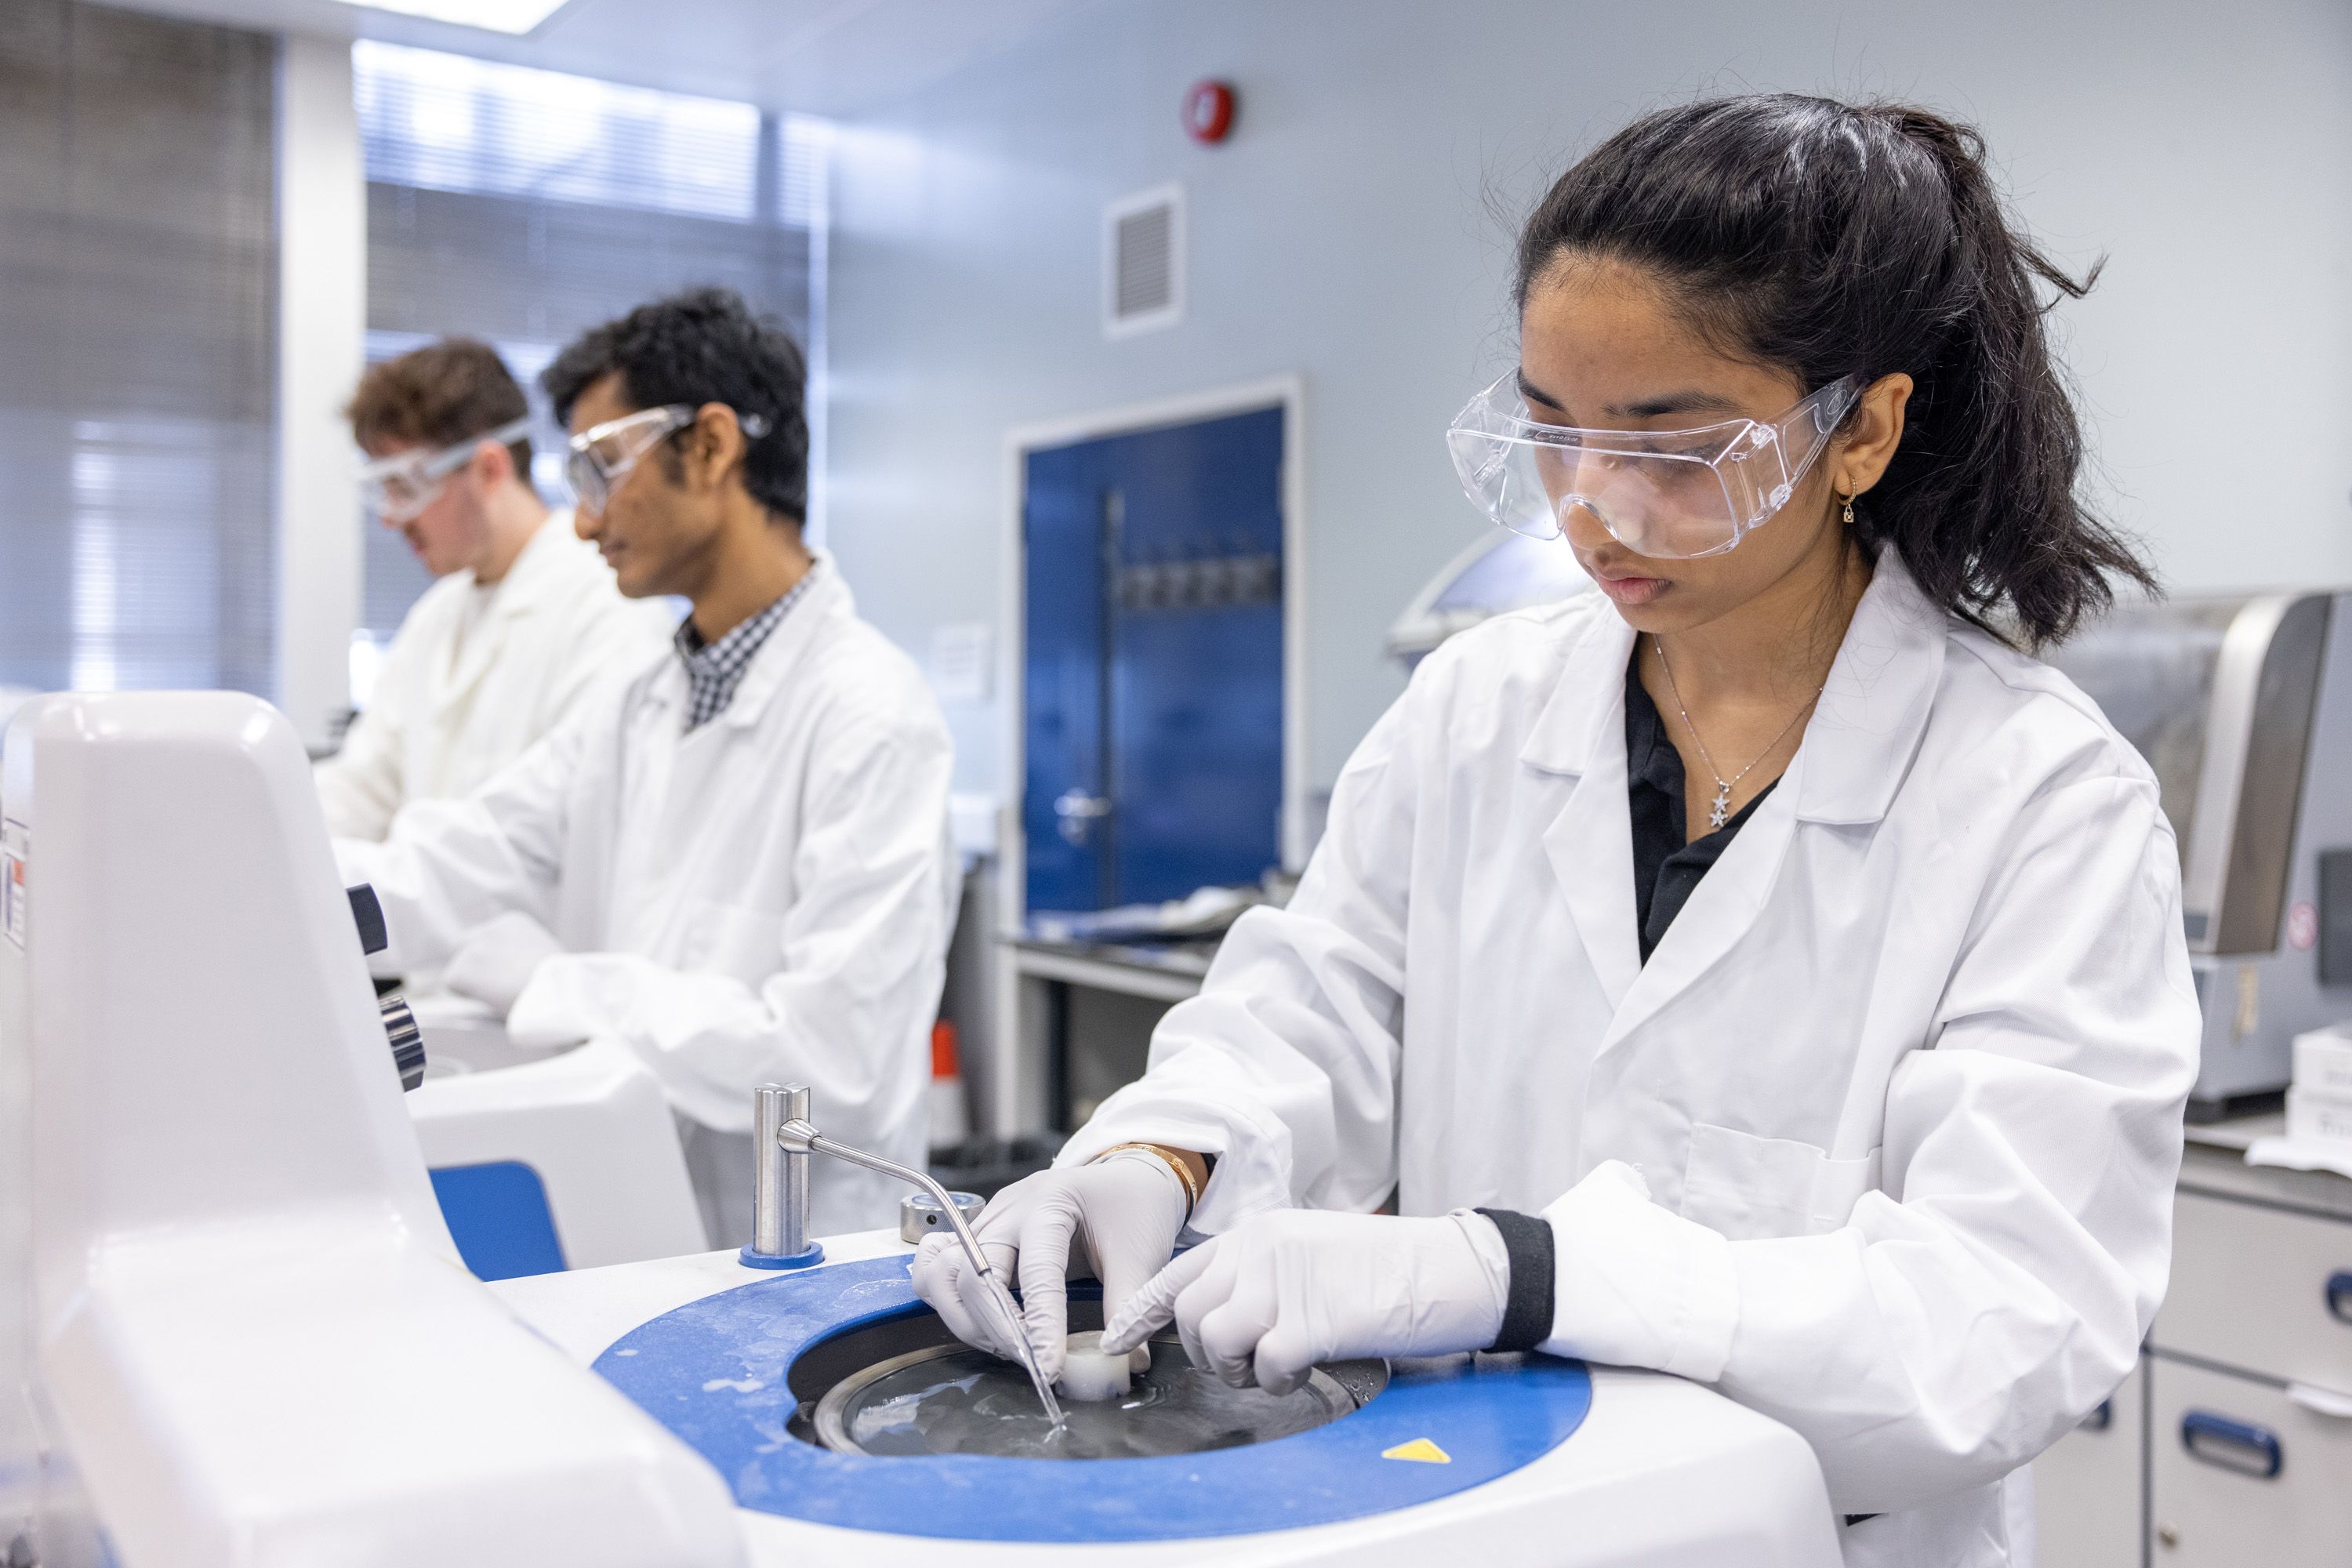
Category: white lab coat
<point>1904,1078</point>
<point>763,899</point>
<point>446,716</point>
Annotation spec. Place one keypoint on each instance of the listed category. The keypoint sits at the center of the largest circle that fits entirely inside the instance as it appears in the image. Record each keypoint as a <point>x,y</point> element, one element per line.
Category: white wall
<point>1346,233</point>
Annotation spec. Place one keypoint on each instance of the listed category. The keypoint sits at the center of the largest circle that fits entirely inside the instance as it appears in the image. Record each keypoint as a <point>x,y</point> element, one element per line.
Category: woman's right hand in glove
<point>1117,1218</point>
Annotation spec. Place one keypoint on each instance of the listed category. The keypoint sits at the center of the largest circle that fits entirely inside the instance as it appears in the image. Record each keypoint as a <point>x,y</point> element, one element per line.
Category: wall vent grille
<point>1143,262</point>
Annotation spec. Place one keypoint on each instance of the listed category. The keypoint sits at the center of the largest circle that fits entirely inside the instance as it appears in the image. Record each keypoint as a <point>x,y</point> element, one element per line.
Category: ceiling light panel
<point>517,16</point>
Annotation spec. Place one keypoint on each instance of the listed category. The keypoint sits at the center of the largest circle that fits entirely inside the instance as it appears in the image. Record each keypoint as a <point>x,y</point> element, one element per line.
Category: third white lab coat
<point>1905,1077</point>
<point>763,899</point>
<point>447,715</point>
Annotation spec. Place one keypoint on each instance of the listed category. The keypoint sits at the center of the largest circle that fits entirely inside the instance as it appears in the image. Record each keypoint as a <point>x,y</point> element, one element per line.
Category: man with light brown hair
<point>524,620</point>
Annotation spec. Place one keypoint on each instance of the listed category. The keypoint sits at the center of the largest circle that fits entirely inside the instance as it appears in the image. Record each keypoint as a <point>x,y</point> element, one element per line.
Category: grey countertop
<point>2215,1164</point>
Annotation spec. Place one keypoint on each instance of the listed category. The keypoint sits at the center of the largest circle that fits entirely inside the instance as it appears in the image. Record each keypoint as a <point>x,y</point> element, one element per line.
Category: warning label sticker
<point>16,848</point>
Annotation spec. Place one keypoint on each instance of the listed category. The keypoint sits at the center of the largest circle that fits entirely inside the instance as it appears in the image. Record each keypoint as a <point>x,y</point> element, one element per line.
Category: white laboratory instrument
<point>543,1160</point>
<point>569,1161</point>
<point>1500,572</point>
<point>237,1332</point>
<point>234,1326</point>
<point>2244,707</point>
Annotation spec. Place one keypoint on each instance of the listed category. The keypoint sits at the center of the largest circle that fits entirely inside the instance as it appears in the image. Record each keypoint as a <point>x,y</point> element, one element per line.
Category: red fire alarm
<point>1209,112</point>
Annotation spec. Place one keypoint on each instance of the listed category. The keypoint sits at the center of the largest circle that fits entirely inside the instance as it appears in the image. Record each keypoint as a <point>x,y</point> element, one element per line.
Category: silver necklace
<point>1719,811</point>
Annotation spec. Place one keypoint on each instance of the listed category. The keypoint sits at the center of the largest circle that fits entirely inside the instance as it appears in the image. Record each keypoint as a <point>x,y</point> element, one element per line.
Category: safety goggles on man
<point>1666,494</point>
<point>603,454</point>
<point>398,488</point>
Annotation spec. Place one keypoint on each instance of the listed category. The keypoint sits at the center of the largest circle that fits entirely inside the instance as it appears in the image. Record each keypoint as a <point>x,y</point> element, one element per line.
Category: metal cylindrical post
<point>780,1186</point>
<point>793,1105</point>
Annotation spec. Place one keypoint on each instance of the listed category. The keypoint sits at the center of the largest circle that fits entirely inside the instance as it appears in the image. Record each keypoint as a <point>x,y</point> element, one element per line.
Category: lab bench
<point>2231,1442</point>
<point>1085,1012</point>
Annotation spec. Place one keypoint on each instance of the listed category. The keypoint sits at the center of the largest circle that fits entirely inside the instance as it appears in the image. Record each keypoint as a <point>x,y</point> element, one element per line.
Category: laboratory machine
<point>2244,707</point>
<point>540,1159</point>
<point>1497,572</point>
<point>236,1329</point>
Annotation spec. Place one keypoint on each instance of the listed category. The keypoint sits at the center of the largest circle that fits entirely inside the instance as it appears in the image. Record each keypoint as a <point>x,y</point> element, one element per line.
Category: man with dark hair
<point>525,620</point>
<point>738,864</point>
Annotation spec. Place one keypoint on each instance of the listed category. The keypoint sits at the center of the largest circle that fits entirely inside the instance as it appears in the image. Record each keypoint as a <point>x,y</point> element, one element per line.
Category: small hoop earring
<point>1849,511</point>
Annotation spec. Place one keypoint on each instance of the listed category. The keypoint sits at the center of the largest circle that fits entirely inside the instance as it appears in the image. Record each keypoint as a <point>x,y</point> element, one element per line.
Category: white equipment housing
<point>234,1331</point>
<point>239,1324</point>
<point>570,1161</point>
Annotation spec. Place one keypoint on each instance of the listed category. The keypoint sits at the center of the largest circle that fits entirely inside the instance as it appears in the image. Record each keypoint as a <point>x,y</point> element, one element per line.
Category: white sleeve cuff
<point>1494,1257</point>
<point>1252,1159</point>
<point>1637,1285</point>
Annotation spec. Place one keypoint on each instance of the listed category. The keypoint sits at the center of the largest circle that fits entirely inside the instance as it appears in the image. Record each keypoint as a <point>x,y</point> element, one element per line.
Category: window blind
<point>137,250</point>
<point>524,207</point>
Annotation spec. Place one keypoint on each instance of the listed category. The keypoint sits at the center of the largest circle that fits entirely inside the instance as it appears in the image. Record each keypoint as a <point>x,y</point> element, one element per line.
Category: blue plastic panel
<point>499,1217</point>
<point>1154,665</point>
<point>714,1371</point>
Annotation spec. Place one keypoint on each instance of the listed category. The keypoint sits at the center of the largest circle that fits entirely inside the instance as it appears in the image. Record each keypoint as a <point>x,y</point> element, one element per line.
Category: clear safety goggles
<point>1666,494</point>
<point>398,488</point>
<point>603,454</point>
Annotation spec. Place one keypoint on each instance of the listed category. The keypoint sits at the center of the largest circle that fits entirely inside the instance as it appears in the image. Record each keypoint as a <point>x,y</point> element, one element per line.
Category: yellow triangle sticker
<point>1420,1451</point>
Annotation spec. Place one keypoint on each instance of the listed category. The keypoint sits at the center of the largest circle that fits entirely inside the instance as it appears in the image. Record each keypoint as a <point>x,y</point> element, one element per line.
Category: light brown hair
<point>439,396</point>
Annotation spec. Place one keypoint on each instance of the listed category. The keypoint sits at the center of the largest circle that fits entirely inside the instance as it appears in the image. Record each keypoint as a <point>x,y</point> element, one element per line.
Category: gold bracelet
<point>1183,1175</point>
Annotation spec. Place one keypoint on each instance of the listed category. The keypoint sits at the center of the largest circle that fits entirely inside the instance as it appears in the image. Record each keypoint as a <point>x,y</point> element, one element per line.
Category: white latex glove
<point>498,959</point>
<point>1283,1290</point>
<point>1126,1209</point>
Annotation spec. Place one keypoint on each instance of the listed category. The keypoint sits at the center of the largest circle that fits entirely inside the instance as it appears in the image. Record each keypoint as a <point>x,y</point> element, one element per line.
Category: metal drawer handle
<point>2339,1295</point>
<point>2238,1446</point>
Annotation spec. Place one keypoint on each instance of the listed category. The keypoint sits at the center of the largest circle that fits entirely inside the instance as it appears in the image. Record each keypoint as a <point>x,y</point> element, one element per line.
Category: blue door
<point>1152,689</point>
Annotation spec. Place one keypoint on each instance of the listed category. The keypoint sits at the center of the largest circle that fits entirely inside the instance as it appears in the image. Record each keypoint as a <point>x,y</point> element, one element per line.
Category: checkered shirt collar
<point>713,670</point>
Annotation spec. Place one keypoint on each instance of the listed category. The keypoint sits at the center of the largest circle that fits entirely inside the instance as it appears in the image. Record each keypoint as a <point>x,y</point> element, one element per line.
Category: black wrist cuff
<point>1528,1305</point>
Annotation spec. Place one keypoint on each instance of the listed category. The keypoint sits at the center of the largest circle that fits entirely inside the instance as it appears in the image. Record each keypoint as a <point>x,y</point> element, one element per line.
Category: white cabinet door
<point>2086,1488</point>
<point>2241,1474</point>
<point>2265,1289</point>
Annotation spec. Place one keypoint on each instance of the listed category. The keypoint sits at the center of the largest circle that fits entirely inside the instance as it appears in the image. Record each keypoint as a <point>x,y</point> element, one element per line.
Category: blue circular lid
<point>714,1371</point>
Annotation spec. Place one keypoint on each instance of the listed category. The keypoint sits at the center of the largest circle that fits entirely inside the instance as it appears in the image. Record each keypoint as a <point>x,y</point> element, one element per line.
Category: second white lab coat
<point>448,713</point>
<point>1905,1077</point>
<point>763,900</point>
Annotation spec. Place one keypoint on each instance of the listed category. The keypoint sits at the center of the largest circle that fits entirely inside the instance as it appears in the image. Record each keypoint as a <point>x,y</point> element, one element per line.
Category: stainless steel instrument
<point>920,1213</point>
<point>784,1140</point>
<point>2244,707</point>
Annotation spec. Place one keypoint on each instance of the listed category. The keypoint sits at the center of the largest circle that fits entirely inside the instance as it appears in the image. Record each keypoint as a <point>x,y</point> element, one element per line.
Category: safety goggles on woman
<point>603,454</point>
<point>1666,494</point>
<point>398,488</point>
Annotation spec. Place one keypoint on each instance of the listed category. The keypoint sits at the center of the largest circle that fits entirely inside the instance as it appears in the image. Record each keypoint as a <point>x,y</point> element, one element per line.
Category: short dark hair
<point>705,346</point>
<point>439,396</point>
<point>1830,240</point>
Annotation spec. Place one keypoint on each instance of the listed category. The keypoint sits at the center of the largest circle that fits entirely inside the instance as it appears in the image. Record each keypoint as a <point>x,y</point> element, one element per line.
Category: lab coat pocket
<point>729,939</point>
<point>1750,1188</point>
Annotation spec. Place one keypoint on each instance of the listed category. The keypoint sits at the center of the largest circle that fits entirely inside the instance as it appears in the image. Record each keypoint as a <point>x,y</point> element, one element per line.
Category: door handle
<point>1075,813</point>
<point>2339,1295</point>
<point>2238,1446</point>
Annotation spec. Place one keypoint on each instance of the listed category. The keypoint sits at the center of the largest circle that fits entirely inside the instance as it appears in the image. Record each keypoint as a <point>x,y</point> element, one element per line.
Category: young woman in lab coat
<point>1760,970</point>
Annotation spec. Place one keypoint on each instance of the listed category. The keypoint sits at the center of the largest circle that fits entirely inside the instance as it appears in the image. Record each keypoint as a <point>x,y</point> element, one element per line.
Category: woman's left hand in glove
<point>1283,1290</point>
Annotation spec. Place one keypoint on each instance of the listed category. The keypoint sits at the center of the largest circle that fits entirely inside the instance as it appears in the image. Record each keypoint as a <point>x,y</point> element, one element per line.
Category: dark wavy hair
<point>1831,239</point>
<point>705,346</point>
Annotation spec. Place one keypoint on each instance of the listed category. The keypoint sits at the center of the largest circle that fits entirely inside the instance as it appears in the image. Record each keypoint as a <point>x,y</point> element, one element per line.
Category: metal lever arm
<point>798,1137</point>
<point>780,1209</point>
